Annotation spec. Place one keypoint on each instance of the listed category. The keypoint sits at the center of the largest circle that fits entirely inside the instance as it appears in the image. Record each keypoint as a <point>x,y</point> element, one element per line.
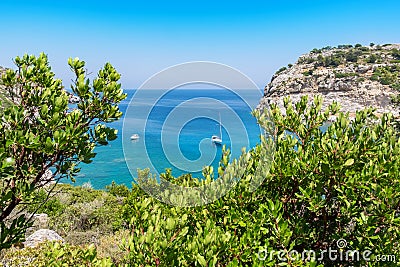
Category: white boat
<point>135,137</point>
<point>215,138</point>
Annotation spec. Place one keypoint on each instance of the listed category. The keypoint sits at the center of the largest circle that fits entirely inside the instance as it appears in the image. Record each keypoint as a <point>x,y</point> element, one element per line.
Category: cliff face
<point>356,77</point>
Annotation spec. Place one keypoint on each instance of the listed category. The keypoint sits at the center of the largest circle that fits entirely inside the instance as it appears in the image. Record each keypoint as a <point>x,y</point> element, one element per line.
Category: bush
<point>117,190</point>
<point>108,246</point>
<point>281,70</point>
<point>352,55</point>
<point>308,72</point>
<point>327,183</point>
<point>345,75</point>
<point>39,133</point>
<point>395,53</point>
<point>372,58</point>
<point>54,254</point>
<point>79,209</point>
<point>346,46</point>
<point>387,75</point>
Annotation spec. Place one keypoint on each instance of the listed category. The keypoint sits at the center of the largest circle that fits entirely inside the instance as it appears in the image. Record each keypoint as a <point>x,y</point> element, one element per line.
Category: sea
<point>175,127</point>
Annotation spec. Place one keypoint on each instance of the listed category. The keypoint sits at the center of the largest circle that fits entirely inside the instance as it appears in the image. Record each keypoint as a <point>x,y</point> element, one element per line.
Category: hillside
<point>355,76</point>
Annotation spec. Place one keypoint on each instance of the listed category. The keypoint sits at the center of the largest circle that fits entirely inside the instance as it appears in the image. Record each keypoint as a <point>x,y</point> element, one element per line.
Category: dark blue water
<point>175,128</point>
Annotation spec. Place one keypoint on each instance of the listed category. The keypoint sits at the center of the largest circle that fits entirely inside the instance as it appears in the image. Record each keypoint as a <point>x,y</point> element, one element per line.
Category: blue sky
<point>141,38</point>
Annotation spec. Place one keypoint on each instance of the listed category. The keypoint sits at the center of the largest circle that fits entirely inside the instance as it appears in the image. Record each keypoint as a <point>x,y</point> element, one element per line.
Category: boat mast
<point>220,126</point>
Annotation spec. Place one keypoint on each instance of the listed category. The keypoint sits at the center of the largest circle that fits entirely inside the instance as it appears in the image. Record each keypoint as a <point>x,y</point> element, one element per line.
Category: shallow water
<point>175,132</point>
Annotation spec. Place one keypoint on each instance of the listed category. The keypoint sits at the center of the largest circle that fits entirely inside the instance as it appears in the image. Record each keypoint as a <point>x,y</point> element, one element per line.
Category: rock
<point>73,99</point>
<point>47,178</point>
<point>41,219</point>
<point>40,236</point>
<point>349,83</point>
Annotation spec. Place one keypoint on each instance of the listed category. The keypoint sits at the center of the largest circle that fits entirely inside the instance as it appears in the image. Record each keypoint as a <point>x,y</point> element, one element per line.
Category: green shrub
<point>108,246</point>
<point>53,254</point>
<point>73,210</point>
<point>346,46</point>
<point>387,75</point>
<point>352,55</point>
<point>281,70</point>
<point>117,190</point>
<point>327,182</point>
<point>307,60</point>
<point>39,132</point>
<point>52,206</point>
<point>395,53</point>
<point>372,58</point>
<point>345,75</point>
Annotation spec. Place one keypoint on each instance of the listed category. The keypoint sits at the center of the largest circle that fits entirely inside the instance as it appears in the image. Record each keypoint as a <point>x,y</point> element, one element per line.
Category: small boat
<point>135,137</point>
<point>215,138</point>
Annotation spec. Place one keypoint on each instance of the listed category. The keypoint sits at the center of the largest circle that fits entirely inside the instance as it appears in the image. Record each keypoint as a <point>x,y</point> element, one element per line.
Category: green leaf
<point>201,260</point>
<point>349,162</point>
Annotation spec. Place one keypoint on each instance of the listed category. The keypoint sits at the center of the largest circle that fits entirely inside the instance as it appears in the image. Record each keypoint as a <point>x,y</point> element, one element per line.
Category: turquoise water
<point>175,131</point>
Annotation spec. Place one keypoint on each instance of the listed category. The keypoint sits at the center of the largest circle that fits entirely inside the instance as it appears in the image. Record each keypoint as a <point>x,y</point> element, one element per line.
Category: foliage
<point>353,55</point>
<point>39,132</point>
<point>108,246</point>
<point>341,183</point>
<point>330,61</point>
<point>54,254</point>
<point>344,75</point>
<point>327,182</point>
<point>79,210</point>
<point>388,75</point>
<point>339,57</point>
<point>395,53</point>
<point>280,70</point>
<point>345,46</point>
<point>316,51</point>
<point>372,58</point>
<point>117,190</point>
<point>306,60</point>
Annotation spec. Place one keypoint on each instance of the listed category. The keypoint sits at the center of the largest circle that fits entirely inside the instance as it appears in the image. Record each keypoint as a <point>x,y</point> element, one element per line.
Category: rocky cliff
<point>355,76</point>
